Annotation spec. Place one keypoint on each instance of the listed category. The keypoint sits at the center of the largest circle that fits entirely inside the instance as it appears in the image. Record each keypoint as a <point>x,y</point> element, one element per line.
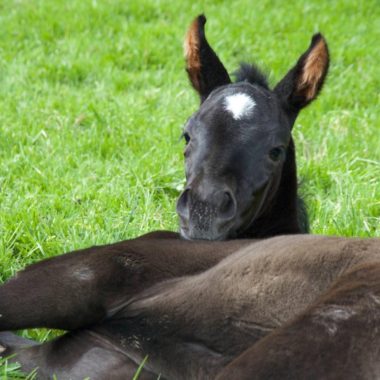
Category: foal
<point>289,307</point>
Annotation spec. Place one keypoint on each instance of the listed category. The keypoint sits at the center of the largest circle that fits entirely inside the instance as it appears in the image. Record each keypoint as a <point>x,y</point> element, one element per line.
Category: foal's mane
<point>252,74</point>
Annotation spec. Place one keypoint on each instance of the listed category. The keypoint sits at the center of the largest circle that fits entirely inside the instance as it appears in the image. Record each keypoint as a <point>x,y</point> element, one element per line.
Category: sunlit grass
<point>93,95</point>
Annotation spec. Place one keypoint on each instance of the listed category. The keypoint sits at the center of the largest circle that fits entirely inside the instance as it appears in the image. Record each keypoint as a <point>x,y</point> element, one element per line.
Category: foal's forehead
<point>241,101</point>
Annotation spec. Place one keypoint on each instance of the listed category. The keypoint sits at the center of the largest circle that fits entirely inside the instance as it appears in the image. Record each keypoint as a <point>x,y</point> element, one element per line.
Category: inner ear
<point>314,70</point>
<point>304,81</point>
<point>205,70</point>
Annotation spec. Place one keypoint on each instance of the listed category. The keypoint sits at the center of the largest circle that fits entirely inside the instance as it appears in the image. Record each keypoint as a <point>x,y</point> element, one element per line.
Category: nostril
<point>182,204</point>
<point>227,208</point>
<point>226,200</point>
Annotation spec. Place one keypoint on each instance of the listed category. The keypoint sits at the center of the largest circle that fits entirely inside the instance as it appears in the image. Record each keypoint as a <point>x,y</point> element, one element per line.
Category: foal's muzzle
<point>206,216</point>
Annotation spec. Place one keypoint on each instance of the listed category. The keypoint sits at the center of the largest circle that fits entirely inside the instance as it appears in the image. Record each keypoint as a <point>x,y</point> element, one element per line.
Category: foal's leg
<point>336,338</point>
<point>84,287</point>
<point>75,355</point>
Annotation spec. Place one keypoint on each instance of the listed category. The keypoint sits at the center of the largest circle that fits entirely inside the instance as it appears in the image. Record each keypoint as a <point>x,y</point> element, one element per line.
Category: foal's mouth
<point>184,233</point>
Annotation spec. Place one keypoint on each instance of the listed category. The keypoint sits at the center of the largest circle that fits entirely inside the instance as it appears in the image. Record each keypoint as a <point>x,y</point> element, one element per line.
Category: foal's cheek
<point>187,169</point>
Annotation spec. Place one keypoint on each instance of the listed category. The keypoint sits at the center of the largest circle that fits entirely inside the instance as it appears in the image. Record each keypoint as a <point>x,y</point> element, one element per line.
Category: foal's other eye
<point>186,137</point>
<point>275,153</point>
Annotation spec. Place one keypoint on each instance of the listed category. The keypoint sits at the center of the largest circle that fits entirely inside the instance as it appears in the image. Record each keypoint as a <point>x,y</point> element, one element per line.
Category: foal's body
<point>194,326</point>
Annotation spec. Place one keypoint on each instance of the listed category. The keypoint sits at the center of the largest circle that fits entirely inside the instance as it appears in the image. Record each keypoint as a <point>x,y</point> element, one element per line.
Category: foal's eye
<point>275,153</point>
<point>186,137</point>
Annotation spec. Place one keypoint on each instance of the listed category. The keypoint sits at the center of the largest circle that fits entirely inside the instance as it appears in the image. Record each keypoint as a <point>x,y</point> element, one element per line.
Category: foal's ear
<point>203,66</point>
<point>304,81</point>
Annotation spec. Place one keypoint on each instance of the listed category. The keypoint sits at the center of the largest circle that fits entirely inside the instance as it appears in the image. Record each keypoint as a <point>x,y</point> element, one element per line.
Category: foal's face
<point>237,143</point>
<point>235,149</point>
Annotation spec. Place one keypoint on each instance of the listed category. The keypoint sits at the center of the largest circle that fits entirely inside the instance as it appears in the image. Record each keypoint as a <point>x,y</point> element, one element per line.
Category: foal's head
<point>239,156</point>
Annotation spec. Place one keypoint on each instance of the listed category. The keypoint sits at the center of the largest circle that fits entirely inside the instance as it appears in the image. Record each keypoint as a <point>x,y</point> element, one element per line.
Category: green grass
<point>93,95</point>
<point>11,371</point>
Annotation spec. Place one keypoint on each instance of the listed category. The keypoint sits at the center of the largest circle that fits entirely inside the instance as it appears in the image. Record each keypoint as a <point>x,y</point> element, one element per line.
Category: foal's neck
<point>287,213</point>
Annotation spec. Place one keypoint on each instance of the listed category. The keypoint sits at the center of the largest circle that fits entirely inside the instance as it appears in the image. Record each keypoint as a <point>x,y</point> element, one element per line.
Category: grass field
<point>93,95</point>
